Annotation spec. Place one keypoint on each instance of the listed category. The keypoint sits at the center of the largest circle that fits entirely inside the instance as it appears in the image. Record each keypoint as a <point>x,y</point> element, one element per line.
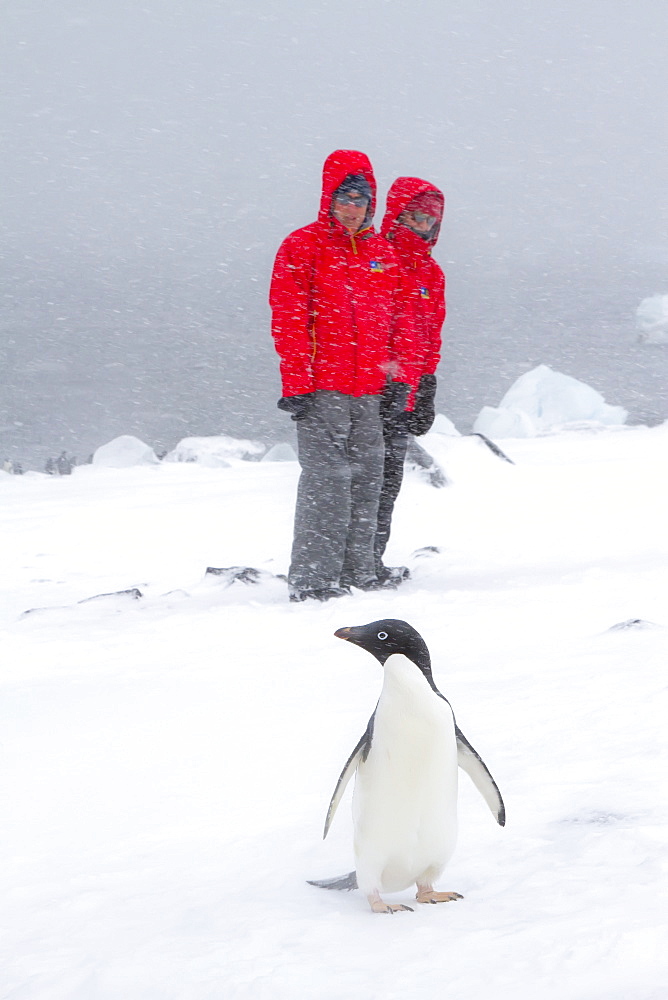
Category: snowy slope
<point>166,762</point>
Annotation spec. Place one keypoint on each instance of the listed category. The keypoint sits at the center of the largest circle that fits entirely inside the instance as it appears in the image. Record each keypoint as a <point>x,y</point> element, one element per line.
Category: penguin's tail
<point>345,883</point>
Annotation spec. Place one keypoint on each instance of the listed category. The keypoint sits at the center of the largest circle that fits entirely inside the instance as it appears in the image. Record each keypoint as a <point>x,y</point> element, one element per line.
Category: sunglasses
<point>421,217</point>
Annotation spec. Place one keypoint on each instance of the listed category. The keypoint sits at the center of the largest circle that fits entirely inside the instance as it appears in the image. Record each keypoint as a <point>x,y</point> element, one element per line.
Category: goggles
<point>351,198</point>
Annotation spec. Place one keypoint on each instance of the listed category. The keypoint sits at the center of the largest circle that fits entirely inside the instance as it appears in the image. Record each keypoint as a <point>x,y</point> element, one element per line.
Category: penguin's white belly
<point>405,800</point>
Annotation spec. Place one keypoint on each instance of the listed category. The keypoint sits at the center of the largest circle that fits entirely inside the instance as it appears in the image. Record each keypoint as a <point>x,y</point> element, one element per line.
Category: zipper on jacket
<point>360,233</point>
<point>353,317</point>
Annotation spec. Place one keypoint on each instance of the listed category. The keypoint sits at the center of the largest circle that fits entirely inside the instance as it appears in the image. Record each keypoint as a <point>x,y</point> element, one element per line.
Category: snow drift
<point>124,452</point>
<point>652,320</point>
<point>215,451</point>
<point>543,400</point>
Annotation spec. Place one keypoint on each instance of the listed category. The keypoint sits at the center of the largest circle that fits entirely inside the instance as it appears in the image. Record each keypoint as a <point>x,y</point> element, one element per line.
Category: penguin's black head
<point>391,635</point>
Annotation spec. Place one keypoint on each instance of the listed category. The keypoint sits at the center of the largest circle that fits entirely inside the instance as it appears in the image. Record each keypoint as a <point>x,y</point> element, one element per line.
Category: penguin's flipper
<point>470,761</point>
<point>359,754</point>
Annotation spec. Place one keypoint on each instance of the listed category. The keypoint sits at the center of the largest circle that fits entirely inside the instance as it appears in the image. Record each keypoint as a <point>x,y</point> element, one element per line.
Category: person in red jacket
<point>346,343</point>
<point>412,224</point>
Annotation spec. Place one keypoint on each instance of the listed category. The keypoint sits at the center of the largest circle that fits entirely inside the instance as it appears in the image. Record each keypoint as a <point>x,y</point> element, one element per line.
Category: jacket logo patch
<point>376,266</point>
<point>424,293</point>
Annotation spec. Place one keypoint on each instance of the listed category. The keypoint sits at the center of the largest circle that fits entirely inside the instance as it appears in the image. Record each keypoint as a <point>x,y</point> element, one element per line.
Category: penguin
<point>405,766</point>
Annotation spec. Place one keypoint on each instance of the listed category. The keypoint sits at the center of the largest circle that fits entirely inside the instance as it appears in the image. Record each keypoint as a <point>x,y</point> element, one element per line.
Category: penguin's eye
<point>382,635</point>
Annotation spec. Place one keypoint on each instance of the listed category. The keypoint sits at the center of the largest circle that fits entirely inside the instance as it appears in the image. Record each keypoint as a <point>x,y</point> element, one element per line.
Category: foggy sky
<point>154,156</point>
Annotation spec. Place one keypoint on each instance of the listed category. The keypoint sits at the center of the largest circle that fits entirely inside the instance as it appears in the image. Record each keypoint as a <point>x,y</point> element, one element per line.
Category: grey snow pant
<point>396,441</point>
<point>341,455</point>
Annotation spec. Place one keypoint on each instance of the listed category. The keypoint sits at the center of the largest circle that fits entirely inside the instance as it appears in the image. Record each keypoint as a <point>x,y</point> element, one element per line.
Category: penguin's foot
<point>426,894</point>
<point>379,905</point>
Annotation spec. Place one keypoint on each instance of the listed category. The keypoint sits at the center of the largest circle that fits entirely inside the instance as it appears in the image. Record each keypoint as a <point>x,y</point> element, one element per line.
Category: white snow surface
<point>542,401</point>
<point>166,761</point>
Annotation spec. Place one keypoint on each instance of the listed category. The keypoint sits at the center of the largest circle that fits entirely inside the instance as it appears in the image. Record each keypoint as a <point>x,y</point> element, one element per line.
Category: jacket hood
<point>403,191</point>
<point>337,166</point>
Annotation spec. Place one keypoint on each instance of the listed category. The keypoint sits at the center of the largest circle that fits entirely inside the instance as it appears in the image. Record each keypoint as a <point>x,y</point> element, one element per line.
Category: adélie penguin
<point>405,798</point>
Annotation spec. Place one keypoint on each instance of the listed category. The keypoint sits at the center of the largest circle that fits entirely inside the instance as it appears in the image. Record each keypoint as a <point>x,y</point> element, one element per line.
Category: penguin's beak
<point>351,634</point>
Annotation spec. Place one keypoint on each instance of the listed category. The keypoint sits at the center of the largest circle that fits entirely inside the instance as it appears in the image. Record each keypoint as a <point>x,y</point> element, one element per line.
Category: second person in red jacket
<point>411,225</point>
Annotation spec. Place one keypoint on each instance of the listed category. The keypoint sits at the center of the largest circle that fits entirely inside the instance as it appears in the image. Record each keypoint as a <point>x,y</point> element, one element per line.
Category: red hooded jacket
<point>424,281</point>
<point>339,316</point>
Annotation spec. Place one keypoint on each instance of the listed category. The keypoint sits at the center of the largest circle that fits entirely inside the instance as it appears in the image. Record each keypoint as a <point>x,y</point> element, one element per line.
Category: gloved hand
<point>422,416</point>
<point>393,403</point>
<point>298,406</point>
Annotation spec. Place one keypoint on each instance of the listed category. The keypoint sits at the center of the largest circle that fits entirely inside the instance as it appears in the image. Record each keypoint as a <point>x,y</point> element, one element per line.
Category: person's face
<point>350,210</point>
<point>419,222</point>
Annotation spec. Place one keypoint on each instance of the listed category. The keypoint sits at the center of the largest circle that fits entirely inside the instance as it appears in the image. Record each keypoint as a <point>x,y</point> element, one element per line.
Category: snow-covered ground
<point>166,761</point>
